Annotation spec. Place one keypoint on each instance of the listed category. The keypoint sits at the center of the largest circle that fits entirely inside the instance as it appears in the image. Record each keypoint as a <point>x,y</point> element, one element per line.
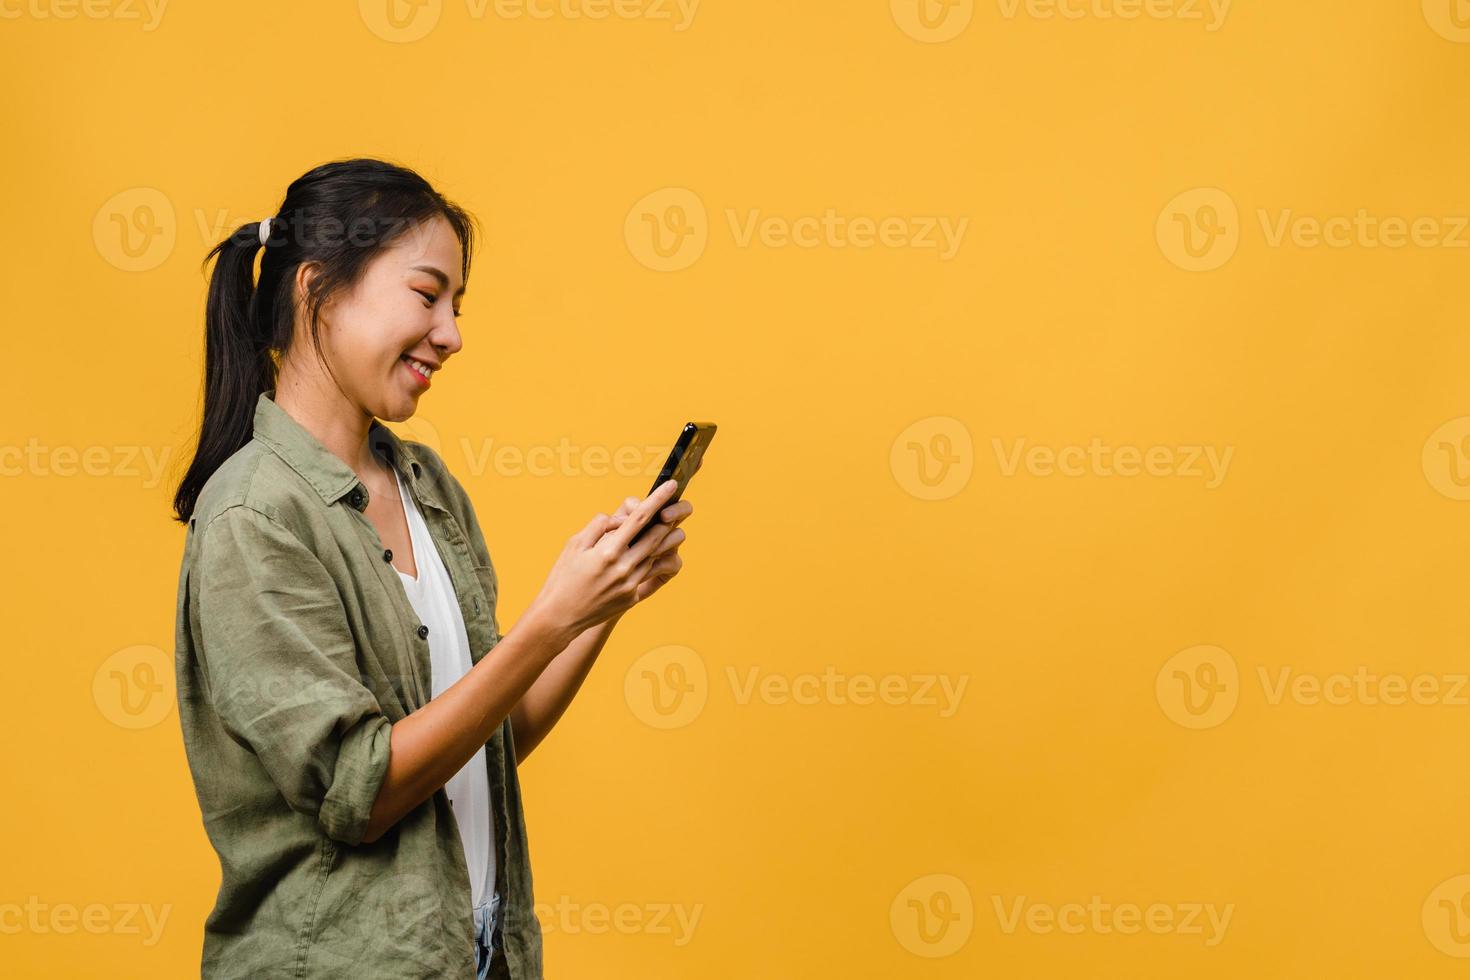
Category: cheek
<point>369,339</point>
<point>361,354</point>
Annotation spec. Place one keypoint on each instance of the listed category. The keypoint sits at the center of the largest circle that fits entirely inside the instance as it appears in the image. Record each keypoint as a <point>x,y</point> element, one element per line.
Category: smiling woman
<point>351,714</point>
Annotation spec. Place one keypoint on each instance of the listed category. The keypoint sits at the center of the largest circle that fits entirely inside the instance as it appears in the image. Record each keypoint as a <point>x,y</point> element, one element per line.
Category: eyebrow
<point>438,274</point>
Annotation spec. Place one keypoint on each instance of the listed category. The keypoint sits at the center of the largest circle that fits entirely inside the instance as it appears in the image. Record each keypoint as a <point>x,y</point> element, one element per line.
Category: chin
<point>397,412</point>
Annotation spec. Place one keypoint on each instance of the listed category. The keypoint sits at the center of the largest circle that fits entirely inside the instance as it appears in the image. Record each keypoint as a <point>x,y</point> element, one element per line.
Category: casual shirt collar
<point>318,466</point>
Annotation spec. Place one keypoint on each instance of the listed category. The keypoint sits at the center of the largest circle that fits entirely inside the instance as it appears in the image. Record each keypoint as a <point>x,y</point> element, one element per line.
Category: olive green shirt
<point>297,651</point>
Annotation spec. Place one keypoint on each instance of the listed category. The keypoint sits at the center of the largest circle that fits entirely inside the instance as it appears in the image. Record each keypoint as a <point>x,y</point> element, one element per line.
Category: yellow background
<point>800,833</point>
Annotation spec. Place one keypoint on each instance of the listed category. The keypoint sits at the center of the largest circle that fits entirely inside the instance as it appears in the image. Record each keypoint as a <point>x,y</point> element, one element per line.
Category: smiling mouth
<point>420,370</point>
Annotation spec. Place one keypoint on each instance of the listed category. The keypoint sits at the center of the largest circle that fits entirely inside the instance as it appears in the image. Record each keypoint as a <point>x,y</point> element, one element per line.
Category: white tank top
<point>432,597</point>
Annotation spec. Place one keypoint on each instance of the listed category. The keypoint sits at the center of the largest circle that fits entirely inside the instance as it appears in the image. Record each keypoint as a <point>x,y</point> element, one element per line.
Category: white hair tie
<point>265,231</point>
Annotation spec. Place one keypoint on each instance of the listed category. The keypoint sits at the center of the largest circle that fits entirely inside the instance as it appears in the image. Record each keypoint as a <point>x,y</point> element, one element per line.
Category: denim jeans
<point>485,916</point>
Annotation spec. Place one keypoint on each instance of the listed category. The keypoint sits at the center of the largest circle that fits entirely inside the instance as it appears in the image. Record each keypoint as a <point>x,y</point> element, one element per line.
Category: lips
<point>419,369</point>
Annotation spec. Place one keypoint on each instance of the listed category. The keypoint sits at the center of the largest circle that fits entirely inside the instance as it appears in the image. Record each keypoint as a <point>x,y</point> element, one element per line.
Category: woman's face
<point>387,338</point>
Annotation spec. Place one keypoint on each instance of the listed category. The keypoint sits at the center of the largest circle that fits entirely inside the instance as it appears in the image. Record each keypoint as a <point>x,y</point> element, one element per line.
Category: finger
<point>644,512</point>
<point>673,514</point>
<point>648,587</point>
<point>659,575</point>
<point>641,573</point>
<point>649,546</point>
<point>593,531</point>
<point>670,542</point>
<point>624,509</point>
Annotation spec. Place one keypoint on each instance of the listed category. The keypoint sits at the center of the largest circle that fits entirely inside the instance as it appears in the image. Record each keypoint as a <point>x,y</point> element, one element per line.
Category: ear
<point>306,274</point>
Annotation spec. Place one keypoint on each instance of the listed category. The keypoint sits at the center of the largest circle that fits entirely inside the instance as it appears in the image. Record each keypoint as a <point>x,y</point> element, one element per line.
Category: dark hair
<point>338,216</point>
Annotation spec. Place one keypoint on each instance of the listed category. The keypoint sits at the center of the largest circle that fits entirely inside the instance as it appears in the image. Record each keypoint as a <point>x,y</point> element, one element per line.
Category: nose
<point>445,335</point>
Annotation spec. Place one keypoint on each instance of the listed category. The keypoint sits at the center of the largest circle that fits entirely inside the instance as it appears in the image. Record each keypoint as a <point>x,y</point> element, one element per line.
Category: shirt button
<point>355,498</point>
<point>423,632</point>
<point>388,555</point>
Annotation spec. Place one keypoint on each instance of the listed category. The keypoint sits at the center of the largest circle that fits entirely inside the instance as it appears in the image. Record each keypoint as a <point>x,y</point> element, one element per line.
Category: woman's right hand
<point>597,575</point>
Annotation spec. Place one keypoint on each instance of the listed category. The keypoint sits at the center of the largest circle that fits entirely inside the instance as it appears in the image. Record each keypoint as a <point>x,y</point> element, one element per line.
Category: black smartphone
<point>683,461</point>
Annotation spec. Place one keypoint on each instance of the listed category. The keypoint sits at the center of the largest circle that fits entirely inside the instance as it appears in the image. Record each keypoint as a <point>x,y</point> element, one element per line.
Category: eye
<point>429,298</point>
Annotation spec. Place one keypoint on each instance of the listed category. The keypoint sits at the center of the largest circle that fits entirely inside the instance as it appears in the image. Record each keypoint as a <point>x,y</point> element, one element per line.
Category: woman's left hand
<point>666,560</point>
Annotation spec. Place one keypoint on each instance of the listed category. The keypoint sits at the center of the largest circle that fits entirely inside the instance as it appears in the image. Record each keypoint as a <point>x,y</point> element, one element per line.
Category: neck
<point>322,409</point>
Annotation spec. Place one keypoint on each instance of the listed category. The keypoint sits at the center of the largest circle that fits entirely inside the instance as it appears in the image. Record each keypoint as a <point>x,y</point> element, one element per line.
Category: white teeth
<point>420,367</point>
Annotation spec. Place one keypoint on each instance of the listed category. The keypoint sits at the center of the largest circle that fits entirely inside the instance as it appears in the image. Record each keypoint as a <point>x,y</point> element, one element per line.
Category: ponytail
<point>237,364</point>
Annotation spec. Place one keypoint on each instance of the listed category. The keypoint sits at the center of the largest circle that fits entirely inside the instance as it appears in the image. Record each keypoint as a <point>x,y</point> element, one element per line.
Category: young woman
<point>352,716</point>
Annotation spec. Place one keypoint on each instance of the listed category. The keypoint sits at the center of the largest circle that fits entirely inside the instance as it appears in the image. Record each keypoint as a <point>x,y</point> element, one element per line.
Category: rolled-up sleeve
<point>282,670</point>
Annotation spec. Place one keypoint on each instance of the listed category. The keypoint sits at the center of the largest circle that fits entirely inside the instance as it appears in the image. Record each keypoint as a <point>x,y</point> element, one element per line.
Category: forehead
<point>433,245</point>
